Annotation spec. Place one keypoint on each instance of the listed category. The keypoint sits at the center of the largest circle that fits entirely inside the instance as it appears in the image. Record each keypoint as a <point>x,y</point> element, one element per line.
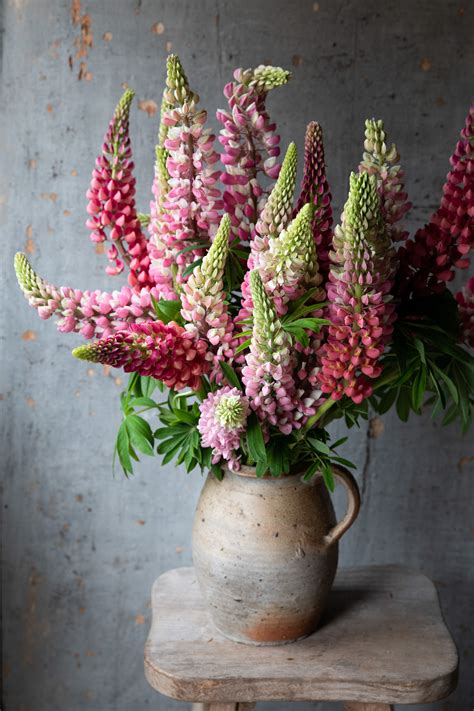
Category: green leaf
<point>448,382</point>
<point>231,375</point>
<point>133,380</point>
<point>171,454</point>
<point>312,470</point>
<point>403,404</point>
<point>298,333</point>
<point>313,324</point>
<point>328,477</point>
<point>148,385</point>
<point>319,446</point>
<point>421,349</point>
<point>387,400</point>
<point>216,470</point>
<point>169,309</point>
<point>144,402</point>
<point>418,389</point>
<point>122,448</point>
<point>255,441</point>
<point>189,269</point>
<point>243,345</point>
<point>156,307</point>
<point>135,423</point>
<point>194,246</point>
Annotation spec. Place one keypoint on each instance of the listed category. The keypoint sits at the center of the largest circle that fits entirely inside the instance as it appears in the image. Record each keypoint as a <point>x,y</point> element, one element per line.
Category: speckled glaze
<point>265,553</point>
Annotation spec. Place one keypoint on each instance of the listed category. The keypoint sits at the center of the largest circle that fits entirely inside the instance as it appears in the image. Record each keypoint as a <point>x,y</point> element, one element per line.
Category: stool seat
<point>382,641</point>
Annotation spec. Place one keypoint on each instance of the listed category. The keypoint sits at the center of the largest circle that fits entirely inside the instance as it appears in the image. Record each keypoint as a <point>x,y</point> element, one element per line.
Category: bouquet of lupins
<point>250,321</point>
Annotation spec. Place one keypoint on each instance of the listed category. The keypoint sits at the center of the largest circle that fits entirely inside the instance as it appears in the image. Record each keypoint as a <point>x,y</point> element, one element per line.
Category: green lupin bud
<point>231,412</point>
<point>363,230</point>
<point>279,206</point>
<point>295,257</point>
<point>161,171</point>
<point>263,78</point>
<point>202,299</point>
<point>267,331</point>
<point>213,264</point>
<point>122,114</point>
<point>362,210</point>
<point>28,280</point>
<point>375,144</point>
<point>178,91</point>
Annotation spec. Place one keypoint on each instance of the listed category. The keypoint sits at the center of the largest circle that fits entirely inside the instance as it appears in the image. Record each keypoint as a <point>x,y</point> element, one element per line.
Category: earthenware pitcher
<point>265,552</point>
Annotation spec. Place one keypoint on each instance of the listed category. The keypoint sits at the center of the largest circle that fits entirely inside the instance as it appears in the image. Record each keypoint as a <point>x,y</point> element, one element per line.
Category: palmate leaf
<point>427,366</point>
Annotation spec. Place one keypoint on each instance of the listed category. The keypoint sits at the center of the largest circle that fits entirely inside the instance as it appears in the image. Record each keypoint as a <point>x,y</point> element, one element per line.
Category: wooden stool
<point>382,641</point>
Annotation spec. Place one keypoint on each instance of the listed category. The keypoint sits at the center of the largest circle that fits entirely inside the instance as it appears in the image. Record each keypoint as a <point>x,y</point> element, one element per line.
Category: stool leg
<point>361,706</point>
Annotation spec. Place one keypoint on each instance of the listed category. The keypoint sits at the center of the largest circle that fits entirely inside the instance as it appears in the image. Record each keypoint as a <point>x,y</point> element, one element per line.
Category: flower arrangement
<point>263,320</point>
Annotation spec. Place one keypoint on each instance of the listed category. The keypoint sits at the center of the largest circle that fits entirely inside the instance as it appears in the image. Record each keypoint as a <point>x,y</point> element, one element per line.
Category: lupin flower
<point>428,261</point>
<point>111,207</point>
<point>223,419</point>
<point>163,351</point>
<point>274,218</point>
<point>361,310</point>
<point>90,313</point>
<point>203,303</point>
<point>290,266</point>
<point>268,373</point>
<point>186,205</point>
<point>465,299</point>
<point>379,159</point>
<point>315,190</point>
<point>251,146</point>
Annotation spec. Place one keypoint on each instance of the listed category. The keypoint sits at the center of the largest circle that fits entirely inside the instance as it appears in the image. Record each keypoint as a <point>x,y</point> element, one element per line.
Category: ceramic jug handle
<point>353,497</point>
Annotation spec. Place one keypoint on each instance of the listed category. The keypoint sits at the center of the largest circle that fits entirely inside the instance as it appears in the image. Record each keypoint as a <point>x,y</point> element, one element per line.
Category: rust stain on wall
<point>29,335</point>
<point>464,461</point>
<point>31,636</point>
<point>49,196</point>
<point>83,42</point>
<point>376,427</point>
<point>425,64</point>
<point>149,106</point>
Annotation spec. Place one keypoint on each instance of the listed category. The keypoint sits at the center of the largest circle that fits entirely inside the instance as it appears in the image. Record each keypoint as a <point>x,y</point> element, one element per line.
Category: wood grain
<point>360,706</point>
<point>382,641</point>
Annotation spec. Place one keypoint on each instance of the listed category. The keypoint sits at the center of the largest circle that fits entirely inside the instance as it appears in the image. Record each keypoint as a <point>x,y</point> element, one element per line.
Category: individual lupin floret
<point>111,207</point>
<point>163,351</point>
<point>380,160</point>
<point>315,190</point>
<point>251,146</point>
<point>186,205</point>
<point>361,310</point>
<point>203,303</point>
<point>268,373</point>
<point>222,422</point>
<point>90,313</point>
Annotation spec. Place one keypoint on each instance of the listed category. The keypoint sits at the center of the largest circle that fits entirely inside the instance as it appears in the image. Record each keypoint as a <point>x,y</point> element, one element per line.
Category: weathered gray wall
<point>82,548</point>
